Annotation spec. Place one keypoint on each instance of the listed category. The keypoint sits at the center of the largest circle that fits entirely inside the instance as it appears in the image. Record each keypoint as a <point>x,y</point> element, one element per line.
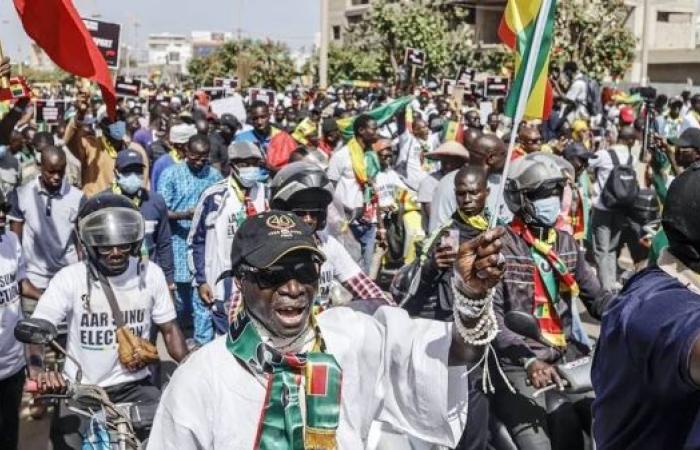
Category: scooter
<point>575,375</point>
<point>118,420</point>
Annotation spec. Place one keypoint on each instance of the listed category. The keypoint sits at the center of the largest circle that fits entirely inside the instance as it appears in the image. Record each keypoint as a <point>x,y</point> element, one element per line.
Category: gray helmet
<point>301,185</point>
<point>107,220</point>
<point>532,175</point>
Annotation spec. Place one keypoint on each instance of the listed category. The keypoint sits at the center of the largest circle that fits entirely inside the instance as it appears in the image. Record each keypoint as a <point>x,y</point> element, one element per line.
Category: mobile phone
<point>451,239</point>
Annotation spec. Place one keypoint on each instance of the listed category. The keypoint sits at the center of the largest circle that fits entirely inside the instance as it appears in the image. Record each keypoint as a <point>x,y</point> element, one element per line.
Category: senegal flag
<point>382,115</point>
<point>519,30</point>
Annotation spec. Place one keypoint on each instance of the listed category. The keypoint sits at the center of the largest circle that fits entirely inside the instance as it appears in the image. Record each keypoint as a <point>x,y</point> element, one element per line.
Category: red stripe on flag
<point>57,28</point>
<point>548,101</point>
<point>319,380</point>
<point>506,34</point>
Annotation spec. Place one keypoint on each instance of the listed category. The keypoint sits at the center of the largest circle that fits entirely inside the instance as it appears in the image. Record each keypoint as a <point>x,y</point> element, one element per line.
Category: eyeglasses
<point>107,249</point>
<point>304,272</point>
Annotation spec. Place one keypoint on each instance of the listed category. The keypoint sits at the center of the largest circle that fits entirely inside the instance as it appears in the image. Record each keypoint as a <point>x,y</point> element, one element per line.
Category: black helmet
<point>532,173</point>
<point>109,219</point>
<point>681,221</point>
<point>301,185</point>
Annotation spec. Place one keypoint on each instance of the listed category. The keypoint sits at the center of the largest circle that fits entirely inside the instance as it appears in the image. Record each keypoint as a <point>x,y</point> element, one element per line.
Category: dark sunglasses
<point>317,213</point>
<point>304,272</point>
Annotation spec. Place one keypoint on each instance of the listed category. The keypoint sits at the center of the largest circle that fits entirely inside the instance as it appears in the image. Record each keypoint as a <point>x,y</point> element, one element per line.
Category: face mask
<point>263,175</point>
<point>248,176</point>
<point>117,130</point>
<point>547,210</point>
<point>131,183</point>
<point>3,151</point>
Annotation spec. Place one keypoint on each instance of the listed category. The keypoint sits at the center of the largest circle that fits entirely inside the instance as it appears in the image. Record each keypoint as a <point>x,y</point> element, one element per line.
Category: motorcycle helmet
<point>107,220</point>
<point>534,176</point>
<point>302,186</point>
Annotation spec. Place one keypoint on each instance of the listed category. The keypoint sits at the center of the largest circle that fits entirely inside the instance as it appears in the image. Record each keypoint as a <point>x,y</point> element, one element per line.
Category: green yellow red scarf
<point>365,165</point>
<point>282,426</point>
<point>544,306</point>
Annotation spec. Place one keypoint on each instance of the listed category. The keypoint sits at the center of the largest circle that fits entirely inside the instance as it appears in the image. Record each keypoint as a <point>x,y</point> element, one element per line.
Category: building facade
<point>485,15</point>
<point>671,40</point>
<point>171,50</point>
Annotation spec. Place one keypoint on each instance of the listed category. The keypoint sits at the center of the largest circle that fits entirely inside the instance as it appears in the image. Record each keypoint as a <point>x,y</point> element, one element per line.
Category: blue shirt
<point>262,141</point>
<point>181,188</point>
<point>645,398</point>
<point>159,167</point>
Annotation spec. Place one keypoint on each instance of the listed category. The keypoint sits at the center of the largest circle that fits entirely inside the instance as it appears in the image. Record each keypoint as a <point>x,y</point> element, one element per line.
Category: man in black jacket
<point>544,275</point>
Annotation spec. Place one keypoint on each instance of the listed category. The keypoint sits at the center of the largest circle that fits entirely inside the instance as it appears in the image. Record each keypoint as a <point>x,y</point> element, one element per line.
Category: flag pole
<point>522,101</point>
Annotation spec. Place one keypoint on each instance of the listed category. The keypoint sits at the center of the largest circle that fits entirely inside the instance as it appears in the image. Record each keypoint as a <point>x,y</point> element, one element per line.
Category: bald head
<point>489,151</point>
<point>53,168</point>
<point>470,137</point>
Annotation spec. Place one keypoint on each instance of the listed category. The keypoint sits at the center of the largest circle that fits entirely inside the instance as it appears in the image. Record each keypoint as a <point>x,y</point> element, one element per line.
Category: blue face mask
<point>263,175</point>
<point>248,176</point>
<point>3,151</point>
<point>117,130</point>
<point>547,210</point>
<point>130,184</point>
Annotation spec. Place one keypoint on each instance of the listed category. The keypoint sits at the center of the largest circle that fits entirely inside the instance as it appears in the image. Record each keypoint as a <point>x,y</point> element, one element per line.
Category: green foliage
<point>258,63</point>
<point>374,48</point>
<point>593,33</point>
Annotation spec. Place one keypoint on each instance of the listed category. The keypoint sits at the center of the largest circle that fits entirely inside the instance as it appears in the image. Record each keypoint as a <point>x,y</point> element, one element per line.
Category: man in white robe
<point>410,374</point>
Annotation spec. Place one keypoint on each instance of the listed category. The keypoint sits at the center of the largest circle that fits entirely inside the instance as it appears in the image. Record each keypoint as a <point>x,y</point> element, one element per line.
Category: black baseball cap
<point>577,150</point>
<point>264,238</point>
<point>127,158</point>
<point>689,138</point>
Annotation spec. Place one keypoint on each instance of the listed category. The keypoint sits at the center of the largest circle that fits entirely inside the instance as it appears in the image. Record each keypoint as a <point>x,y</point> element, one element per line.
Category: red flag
<point>57,28</point>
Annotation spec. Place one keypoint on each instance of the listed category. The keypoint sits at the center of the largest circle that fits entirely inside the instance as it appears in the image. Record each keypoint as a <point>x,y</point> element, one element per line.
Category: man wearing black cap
<point>129,181</point>
<point>287,378</point>
<point>646,369</point>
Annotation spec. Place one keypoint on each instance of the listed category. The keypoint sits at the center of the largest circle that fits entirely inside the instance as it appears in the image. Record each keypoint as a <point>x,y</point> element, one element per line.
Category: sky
<point>295,22</point>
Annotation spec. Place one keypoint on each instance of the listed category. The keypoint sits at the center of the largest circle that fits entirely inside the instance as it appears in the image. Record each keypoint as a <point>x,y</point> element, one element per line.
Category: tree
<point>593,34</point>
<point>259,63</point>
<point>374,48</point>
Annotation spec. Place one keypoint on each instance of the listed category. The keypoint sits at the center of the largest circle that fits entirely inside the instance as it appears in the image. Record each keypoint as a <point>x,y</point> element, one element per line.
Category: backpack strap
<point>615,159</point>
<point>630,160</point>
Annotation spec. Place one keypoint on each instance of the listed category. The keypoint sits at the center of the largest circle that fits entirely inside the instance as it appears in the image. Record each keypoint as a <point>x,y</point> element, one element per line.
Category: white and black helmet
<point>301,185</point>
<point>536,175</point>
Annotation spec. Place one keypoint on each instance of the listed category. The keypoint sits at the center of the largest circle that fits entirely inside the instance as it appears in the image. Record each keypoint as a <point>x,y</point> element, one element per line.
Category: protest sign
<point>106,37</point>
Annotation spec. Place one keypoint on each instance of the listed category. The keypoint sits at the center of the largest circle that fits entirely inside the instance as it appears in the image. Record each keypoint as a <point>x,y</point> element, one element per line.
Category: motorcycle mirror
<point>35,331</point>
<point>524,324</point>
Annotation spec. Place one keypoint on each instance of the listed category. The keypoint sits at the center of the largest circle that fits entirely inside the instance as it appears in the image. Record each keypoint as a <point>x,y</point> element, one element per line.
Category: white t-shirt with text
<point>12,271</point>
<point>143,298</point>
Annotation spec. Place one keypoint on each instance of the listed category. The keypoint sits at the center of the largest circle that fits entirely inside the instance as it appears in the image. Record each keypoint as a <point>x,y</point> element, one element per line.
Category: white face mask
<point>248,176</point>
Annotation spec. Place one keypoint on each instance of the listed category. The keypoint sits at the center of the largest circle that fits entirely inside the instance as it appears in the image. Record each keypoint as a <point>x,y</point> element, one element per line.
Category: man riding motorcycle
<point>89,294</point>
<point>544,275</point>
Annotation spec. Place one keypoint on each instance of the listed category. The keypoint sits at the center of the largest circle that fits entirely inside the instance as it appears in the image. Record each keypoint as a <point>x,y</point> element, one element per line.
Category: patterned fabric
<point>281,425</point>
<point>364,288</point>
<point>546,295</point>
<point>181,188</point>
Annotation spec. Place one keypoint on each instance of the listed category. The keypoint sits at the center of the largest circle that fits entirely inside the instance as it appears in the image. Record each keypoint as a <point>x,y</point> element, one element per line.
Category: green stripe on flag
<point>382,115</point>
<point>525,39</point>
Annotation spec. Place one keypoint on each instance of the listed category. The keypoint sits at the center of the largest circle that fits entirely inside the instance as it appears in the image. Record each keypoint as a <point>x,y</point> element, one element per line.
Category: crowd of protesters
<point>391,182</point>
